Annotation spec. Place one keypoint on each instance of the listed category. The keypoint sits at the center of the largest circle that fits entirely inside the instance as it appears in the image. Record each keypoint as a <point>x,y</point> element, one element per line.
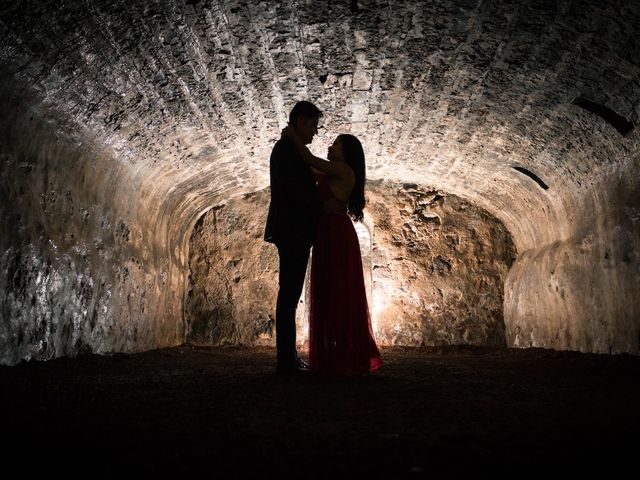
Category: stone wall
<point>435,265</point>
<point>233,275</point>
<point>439,265</point>
<point>123,122</point>
<point>583,293</point>
<point>78,270</point>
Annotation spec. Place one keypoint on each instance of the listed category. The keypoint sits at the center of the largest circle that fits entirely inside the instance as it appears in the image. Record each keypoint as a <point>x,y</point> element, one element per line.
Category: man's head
<point>304,118</point>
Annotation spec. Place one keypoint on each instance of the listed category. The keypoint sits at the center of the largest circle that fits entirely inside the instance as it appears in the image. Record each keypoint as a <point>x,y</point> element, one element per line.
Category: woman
<point>340,336</point>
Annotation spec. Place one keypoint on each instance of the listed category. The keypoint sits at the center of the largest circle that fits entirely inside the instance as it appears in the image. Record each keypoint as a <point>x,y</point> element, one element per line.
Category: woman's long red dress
<point>340,335</point>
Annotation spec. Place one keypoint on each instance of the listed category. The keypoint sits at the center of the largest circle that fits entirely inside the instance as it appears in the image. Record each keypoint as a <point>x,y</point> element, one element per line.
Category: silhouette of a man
<point>291,226</point>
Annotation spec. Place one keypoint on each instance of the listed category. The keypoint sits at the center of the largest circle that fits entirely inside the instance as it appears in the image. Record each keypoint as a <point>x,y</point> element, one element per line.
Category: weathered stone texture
<point>79,272</point>
<point>439,265</point>
<point>583,292</point>
<point>435,267</point>
<point>233,275</point>
<point>176,106</point>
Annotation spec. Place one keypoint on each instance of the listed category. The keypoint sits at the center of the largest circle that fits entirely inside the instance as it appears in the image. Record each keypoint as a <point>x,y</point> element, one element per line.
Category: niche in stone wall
<point>434,268</point>
<point>438,268</point>
<point>233,278</point>
<point>617,121</point>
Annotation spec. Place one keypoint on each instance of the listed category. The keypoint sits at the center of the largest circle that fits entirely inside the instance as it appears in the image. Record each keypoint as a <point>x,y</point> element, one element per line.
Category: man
<point>291,226</point>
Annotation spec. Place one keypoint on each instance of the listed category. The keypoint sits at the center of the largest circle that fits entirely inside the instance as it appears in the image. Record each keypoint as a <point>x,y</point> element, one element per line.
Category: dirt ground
<point>224,413</point>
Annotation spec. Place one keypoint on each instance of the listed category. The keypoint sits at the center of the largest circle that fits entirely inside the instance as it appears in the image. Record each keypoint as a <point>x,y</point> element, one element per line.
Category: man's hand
<point>334,206</point>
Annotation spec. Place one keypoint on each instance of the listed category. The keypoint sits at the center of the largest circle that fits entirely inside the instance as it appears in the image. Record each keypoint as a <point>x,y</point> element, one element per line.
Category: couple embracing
<point>313,204</point>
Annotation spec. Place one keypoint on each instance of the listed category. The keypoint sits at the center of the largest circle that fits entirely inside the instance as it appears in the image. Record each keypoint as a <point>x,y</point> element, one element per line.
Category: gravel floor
<point>223,412</point>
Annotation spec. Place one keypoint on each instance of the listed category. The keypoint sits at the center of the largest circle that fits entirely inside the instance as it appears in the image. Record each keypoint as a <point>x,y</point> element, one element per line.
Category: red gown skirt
<point>340,335</point>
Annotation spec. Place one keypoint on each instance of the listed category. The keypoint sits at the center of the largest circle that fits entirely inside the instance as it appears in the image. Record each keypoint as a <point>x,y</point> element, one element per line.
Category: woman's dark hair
<point>303,109</point>
<point>354,157</point>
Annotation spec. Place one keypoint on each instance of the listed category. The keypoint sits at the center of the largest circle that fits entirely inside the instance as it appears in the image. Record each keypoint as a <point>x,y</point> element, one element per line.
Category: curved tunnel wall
<point>81,271</point>
<point>583,292</point>
<point>176,111</point>
<point>95,248</point>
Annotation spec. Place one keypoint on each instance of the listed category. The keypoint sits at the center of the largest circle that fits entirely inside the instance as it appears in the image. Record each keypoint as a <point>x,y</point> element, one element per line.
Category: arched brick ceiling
<point>190,96</point>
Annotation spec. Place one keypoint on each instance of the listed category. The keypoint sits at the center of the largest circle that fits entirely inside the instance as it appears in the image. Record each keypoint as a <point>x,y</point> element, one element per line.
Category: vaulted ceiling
<point>189,96</point>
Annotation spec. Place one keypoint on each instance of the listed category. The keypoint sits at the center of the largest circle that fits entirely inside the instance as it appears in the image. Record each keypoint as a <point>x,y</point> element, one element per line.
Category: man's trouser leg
<point>293,266</point>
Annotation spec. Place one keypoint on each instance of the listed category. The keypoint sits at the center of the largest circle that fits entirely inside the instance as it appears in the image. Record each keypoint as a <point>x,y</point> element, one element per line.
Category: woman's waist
<point>334,217</point>
<point>335,214</point>
<point>333,205</point>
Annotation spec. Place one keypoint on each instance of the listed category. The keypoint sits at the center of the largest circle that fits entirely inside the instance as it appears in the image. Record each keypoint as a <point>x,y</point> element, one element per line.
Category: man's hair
<point>303,109</point>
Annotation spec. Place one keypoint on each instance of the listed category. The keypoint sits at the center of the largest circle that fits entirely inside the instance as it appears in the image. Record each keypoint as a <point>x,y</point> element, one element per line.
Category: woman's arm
<point>333,169</point>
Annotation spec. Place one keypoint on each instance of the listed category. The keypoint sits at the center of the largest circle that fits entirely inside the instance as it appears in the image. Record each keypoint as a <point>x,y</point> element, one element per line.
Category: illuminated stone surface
<point>233,276</point>
<point>123,122</point>
<point>437,264</point>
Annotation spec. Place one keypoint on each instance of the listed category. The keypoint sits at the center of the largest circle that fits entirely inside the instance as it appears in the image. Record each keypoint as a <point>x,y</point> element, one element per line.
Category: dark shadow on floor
<point>430,410</point>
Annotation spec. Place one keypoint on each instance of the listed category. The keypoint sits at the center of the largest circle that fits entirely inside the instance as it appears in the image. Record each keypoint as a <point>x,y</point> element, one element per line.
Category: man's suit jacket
<point>295,202</point>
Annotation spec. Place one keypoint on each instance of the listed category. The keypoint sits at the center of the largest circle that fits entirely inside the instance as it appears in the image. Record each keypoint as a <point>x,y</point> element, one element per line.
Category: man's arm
<point>290,190</point>
<point>338,170</point>
<point>286,182</point>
